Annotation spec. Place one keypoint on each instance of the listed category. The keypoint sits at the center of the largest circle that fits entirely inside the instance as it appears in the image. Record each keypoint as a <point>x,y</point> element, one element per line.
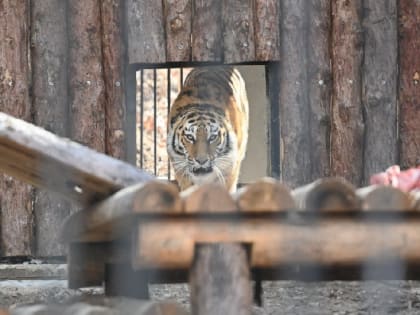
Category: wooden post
<point>113,55</point>
<point>327,194</point>
<point>50,108</point>
<point>384,198</point>
<point>220,280</point>
<point>177,15</point>
<point>207,41</point>
<point>319,86</point>
<point>86,88</point>
<point>267,30</point>
<point>238,35</point>
<point>409,82</point>
<point>146,31</point>
<point>379,73</point>
<point>347,118</point>
<point>15,197</point>
<point>294,107</point>
<point>265,194</point>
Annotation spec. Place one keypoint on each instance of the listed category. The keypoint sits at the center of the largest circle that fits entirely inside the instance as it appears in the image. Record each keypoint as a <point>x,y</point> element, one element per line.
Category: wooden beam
<point>44,160</point>
<point>324,241</point>
<point>114,216</point>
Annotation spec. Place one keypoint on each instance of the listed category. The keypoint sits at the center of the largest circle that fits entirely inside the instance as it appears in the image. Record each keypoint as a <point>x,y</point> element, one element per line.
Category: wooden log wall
<point>345,82</point>
<point>63,69</point>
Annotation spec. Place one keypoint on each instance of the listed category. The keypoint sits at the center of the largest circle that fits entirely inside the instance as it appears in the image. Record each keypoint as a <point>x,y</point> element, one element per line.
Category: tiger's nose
<point>202,160</point>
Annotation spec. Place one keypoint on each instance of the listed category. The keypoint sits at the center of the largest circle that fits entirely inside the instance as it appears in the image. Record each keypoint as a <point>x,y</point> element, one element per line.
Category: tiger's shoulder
<point>220,87</point>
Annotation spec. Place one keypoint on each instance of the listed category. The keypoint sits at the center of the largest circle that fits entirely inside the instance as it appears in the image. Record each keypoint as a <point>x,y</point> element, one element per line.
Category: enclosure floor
<point>282,297</point>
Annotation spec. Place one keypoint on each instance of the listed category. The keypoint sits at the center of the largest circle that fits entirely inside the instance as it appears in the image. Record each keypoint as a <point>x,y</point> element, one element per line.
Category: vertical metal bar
<point>154,124</point>
<point>182,77</point>
<point>272,82</point>
<point>168,80</point>
<point>130,119</point>
<point>141,125</point>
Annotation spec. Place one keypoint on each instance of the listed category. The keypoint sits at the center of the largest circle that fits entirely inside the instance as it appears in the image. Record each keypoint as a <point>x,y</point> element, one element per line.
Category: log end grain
<point>266,194</point>
<point>384,198</point>
<point>327,194</point>
<point>208,198</point>
<point>157,197</point>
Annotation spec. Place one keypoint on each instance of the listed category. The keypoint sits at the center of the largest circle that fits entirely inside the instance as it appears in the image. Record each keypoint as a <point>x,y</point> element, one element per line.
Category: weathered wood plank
<point>325,242</point>
<point>380,73</point>
<point>207,42</point>
<point>267,30</point>
<point>319,86</point>
<point>44,160</point>
<point>146,32</point>
<point>220,280</point>
<point>409,82</point>
<point>347,125</point>
<point>294,106</point>
<point>326,194</point>
<point>49,65</point>
<point>15,197</point>
<point>86,84</point>
<point>113,51</point>
<point>178,19</point>
<point>115,215</point>
<point>238,31</point>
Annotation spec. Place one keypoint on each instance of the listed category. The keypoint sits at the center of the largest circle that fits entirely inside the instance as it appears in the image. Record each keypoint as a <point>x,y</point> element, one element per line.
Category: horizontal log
<point>415,197</point>
<point>377,197</point>
<point>208,198</point>
<point>114,216</point>
<point>325,242</point>
<point>327,194</point>
<point>45,160</point>
<point>266,194</point>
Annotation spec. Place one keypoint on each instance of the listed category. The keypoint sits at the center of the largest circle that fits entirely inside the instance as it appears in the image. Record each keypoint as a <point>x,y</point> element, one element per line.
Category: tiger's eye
<point>213,138</point>
<point>189,138</point>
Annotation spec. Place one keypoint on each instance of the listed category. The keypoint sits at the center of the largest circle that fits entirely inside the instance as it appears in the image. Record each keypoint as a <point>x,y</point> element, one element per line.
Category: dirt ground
<point>282,297</point>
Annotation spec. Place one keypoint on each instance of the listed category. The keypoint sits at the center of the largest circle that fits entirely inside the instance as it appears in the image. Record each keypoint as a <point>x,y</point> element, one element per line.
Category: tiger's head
<point>208,128</point>
<point>201,145</point>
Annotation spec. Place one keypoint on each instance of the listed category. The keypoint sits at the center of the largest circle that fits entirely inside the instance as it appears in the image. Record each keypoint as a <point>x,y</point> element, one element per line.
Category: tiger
<point>208,128</point>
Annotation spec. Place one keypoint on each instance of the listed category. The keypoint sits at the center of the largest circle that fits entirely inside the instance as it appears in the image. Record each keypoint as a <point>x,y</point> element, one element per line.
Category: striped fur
<point>208,127</point>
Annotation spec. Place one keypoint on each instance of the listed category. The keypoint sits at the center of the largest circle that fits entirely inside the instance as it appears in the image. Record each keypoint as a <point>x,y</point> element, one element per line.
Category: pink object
<point>406,180</point>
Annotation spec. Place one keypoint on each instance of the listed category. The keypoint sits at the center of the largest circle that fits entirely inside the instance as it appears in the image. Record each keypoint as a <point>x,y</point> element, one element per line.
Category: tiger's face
<point>200,147</point>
